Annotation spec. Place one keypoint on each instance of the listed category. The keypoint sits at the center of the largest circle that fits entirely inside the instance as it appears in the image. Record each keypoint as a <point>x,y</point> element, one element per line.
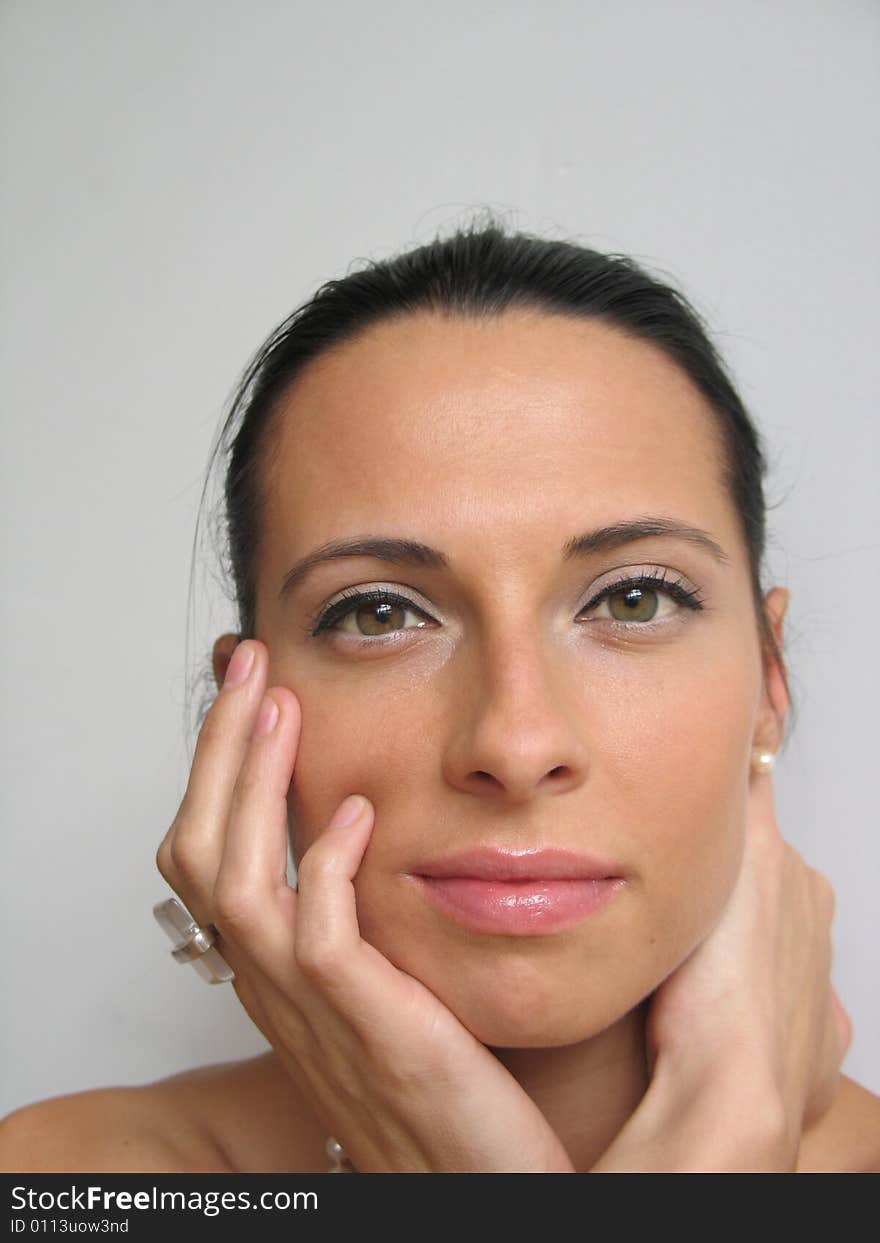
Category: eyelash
<point>352,599</point>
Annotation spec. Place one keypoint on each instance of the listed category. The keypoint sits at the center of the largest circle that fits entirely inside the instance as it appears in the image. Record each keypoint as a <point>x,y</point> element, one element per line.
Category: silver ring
<point>192,943</point>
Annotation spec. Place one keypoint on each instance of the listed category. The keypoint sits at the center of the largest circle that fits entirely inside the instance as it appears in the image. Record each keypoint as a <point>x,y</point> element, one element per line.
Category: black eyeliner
<point>353,598</point>
<point>690,599</point>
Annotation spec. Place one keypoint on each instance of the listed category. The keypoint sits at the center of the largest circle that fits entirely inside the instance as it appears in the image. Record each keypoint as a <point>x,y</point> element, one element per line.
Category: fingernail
<point>240,665</point>
<point>348,811</point>
<point>267,717</point>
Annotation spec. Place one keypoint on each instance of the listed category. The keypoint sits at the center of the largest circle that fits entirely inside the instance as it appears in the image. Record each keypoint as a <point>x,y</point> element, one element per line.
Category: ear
<point>222,654</point>
<point>773,709</point>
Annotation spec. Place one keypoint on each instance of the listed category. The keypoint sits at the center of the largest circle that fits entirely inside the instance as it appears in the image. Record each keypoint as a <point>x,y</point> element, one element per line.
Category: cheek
<point>685,782</point>
<point>349,745</point>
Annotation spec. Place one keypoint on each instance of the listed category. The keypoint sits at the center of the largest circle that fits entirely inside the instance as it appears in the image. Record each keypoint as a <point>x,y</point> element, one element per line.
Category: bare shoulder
<point>847,1139</point>
<point>230,1117</point>
<point>106,1130</point>
<point>151,1128</point>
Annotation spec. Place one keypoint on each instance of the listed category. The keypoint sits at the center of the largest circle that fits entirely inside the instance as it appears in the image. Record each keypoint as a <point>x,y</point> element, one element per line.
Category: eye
<point>632,603</point>
<point>638,600</point>
<point>372,613</point>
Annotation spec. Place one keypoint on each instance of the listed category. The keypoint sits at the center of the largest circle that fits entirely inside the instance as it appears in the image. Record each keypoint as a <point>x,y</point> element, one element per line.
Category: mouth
<point>518,893</point>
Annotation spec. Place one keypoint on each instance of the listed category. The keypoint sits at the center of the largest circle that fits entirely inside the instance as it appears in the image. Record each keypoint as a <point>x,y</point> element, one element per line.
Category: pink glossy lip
<point>530,893</point>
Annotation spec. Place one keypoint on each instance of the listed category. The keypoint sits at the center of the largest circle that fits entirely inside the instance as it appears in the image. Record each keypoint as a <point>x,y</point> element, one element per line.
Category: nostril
<point>484,778</point>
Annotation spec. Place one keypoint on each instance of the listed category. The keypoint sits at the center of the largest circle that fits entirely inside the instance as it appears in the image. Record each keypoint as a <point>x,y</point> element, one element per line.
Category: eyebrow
<point>413,553</point>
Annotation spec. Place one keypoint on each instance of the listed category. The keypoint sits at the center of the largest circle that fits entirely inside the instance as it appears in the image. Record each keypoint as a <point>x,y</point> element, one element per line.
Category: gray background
<point>179,176</point>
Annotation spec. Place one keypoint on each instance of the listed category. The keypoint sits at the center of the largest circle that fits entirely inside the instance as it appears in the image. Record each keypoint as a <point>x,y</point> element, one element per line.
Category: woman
<point>495,522</point>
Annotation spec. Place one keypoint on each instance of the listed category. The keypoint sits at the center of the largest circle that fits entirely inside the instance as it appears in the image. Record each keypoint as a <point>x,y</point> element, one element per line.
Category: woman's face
<point>498,706</point>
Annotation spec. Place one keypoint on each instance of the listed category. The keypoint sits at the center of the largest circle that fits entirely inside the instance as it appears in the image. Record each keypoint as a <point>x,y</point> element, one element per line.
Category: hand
<point>388,1069</point>
<point>746,1038</point>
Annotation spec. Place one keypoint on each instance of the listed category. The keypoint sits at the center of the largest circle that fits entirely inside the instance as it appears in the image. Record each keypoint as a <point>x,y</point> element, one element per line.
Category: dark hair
<point>480,271</point>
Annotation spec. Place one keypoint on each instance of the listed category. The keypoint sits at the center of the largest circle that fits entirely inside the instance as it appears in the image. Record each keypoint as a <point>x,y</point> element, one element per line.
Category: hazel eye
<point>634,604</point>
<point>371,614</point>
<point>378,617</point>
<point>640,601</point>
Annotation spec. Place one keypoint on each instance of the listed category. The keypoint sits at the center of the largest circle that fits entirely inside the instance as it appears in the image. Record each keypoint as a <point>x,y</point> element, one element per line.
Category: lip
<point>500,863</point>
<point>519,893</point>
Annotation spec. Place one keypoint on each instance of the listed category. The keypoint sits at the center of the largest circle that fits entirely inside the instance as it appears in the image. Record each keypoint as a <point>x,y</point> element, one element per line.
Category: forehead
<point>433,427</point>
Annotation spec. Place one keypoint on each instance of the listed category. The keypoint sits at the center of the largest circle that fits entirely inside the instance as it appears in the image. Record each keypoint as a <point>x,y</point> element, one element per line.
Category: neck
<point>586,1091</point>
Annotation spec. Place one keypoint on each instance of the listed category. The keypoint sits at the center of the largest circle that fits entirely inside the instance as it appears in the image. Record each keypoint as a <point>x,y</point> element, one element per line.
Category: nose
<point>517,732</point>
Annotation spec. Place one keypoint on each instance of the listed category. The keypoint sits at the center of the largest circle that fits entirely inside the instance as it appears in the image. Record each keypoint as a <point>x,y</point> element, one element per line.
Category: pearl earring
<point>763,761</point>
<point>339,1157</point>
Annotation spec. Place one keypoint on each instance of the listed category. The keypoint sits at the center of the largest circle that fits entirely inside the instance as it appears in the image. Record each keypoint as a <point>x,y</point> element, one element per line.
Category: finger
<point>843,1024</point>
<point>252,900</point>
<point>326,872</point>
<point>189,856</point>
<point>329,947</point>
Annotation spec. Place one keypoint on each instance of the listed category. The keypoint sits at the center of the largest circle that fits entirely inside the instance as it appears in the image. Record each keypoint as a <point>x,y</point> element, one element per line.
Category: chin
<point>510,1028</point>
<point>538,1036</point>
<point>524,1018</point>
<point>520,993</point>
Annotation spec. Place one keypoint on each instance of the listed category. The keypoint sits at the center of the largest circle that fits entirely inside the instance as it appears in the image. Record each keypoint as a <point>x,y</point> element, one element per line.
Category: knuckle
<point>318,960</point>
<point>164,861</point>
<point>824,891</point>
<point>186,863</point>
<point>233,909</point>
<point>315,865</point>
